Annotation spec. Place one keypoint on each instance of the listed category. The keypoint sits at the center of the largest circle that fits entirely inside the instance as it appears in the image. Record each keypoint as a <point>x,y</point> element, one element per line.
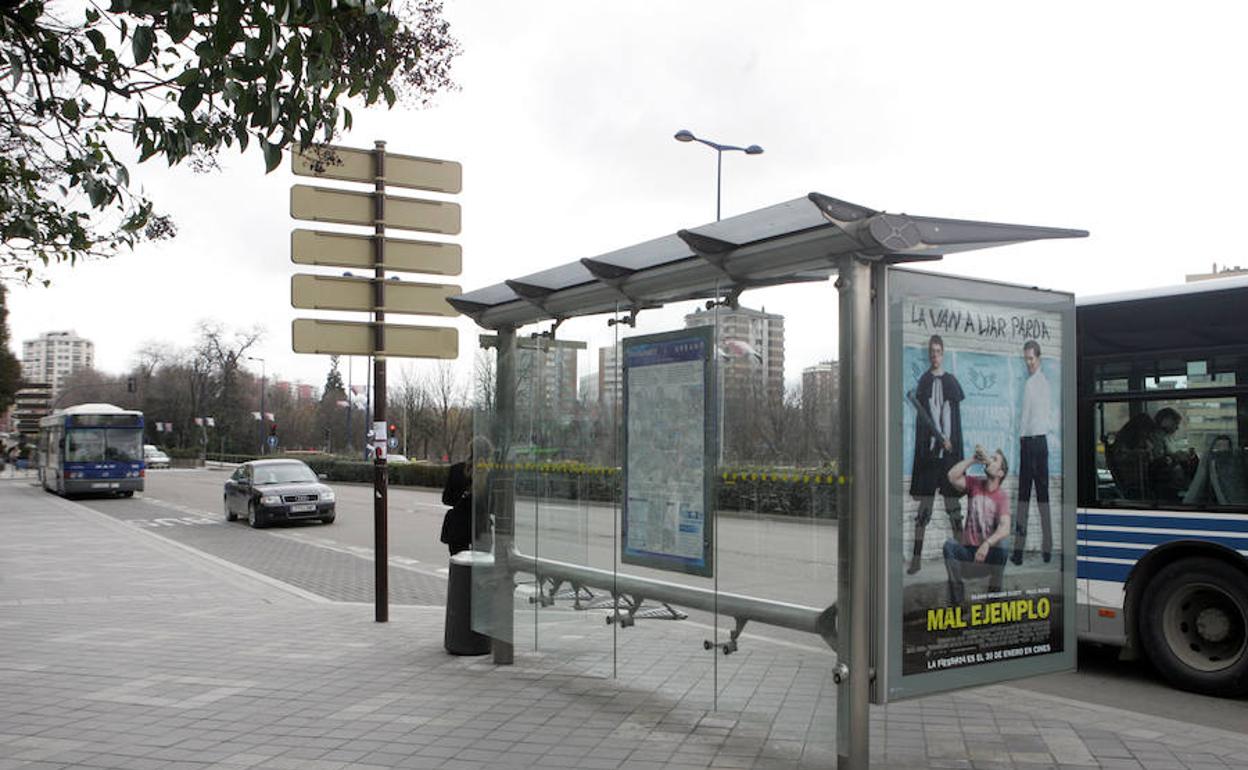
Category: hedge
<point>804,492</point>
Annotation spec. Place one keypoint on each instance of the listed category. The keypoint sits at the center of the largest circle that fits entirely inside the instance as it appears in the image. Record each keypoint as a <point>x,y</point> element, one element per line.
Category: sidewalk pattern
<point>122,650</point>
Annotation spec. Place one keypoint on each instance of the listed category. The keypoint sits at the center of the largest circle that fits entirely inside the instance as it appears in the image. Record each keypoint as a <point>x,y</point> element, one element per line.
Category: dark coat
<point>930,471</point>
<point>457,523</point>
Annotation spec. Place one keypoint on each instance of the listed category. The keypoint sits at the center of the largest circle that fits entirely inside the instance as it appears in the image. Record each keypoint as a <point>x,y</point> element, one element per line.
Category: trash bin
<point>458,637</point>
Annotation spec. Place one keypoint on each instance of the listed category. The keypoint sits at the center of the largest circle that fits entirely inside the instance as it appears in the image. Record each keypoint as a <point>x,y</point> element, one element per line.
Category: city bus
<point>1163,479</point>
<point>92,449</point>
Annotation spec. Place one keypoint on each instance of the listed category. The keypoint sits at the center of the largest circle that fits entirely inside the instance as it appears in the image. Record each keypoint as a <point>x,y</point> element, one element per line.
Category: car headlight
<point>271,500</point>
<point>327,496</point>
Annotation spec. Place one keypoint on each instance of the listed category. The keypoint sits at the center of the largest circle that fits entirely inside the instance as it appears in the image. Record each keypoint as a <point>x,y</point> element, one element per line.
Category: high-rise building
<point>610,376</point>
<point>53,356</point>
<point>751,353</point>
<point>547,377</point>
<point>820,391</point>
<point>32,403</point>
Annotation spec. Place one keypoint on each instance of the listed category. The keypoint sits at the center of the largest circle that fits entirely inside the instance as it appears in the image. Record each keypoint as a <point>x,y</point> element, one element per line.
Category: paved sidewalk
<point>121,649</point>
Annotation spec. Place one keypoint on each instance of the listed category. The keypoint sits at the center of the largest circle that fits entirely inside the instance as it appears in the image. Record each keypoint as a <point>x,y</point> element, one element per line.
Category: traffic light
<point>394,429</point>
<point>273,429</point>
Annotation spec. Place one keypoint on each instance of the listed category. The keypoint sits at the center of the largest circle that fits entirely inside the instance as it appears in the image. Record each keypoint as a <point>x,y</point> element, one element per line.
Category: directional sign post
<point>375,294</point>
<point>331,292</point>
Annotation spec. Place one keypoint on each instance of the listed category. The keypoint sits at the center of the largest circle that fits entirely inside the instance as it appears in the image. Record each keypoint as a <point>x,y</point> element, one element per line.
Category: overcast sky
<point>1124,119</point>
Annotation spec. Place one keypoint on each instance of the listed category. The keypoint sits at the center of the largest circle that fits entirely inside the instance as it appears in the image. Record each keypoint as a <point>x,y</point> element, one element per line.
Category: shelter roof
<point>791,242</point>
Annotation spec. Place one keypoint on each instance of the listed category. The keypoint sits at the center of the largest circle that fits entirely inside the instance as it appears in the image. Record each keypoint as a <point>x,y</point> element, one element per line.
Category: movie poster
<point>981,515</point>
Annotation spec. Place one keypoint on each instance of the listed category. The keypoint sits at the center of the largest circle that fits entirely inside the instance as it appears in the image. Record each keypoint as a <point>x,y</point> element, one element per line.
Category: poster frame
<point>899,285</point>
<point>705,566</point>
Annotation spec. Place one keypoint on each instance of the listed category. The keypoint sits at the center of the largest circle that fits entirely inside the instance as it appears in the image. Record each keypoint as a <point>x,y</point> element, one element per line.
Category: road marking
<point>169,521</point>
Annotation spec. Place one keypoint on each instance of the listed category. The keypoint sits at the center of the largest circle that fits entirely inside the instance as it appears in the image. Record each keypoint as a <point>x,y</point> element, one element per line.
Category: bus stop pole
<point>502,501</point>
<point>859,431</point>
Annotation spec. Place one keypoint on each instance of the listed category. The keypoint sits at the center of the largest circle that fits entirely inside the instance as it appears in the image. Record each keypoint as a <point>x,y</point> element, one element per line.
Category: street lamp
<point>685,135</point>
<point>262,373</point>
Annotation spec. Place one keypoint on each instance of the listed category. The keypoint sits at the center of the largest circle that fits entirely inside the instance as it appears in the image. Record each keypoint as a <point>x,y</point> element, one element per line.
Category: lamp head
<point>684,135</point>
<point>753,149</point>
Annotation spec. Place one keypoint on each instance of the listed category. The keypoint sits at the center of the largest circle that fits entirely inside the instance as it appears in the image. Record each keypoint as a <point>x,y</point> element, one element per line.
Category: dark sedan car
<point>268,491</point>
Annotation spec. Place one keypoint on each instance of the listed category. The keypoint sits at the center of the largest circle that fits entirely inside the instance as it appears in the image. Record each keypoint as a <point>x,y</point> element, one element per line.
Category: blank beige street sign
<point>353,165</point>
<point>353,338</point>
<point>314,247</point>
<point>348,207</point>
<point>330,292</point>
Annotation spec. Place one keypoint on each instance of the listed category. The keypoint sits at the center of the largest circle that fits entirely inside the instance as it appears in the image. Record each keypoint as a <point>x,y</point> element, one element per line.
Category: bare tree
<point>448,396</point>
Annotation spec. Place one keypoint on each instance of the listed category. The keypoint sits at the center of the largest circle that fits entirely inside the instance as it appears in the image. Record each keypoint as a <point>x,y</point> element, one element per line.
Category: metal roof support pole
<point>859,432</point>
<point>502,500</point>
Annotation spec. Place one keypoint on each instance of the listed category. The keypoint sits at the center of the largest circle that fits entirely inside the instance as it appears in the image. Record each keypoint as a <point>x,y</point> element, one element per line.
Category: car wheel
<point>229,515</point>
<point>327,520</point>
<point>1194,626</point>
<point>254,517</point>
<point>128,493</point>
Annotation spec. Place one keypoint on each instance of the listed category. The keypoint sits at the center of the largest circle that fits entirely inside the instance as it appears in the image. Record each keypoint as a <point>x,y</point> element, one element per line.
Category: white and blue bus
<point>92,449</point>
<point>1163,479</point>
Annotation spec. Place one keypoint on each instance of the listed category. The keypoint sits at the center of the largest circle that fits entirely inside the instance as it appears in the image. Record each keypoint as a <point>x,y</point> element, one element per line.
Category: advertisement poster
<point>668,451</point>
<point>980,401</point>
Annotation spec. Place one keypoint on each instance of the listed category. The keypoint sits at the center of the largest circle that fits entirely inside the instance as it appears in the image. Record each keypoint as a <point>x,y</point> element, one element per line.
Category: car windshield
<point>286,473</point>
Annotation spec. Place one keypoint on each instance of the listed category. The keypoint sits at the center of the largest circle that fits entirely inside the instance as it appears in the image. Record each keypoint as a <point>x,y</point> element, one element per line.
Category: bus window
<point>1171,452</point>
<point>124,445</point>
<point>84,446</point>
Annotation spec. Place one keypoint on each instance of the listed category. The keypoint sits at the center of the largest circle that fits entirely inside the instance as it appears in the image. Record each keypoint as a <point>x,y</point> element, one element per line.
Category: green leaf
<point>181,22</point>
<point>69,108</point>
<point>272,155</point>
<point>97,40</point>
<point>144,37</point>
<point>15,66</point>
<point>190,99</point>
<point>188,77</point>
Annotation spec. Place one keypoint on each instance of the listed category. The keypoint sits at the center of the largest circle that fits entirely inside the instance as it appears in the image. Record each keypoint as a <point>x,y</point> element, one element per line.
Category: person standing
<point>979,550</point>
<point>1033,464</point>
<point>937,446</point>
<point>462,525</point>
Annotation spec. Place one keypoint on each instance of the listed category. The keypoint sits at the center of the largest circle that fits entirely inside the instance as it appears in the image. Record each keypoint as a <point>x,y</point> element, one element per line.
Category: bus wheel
<point>1194,625</point>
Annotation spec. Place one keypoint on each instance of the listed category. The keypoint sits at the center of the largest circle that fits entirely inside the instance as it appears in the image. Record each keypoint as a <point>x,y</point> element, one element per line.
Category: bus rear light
<point>142,472</point>
<point>1104,613</point>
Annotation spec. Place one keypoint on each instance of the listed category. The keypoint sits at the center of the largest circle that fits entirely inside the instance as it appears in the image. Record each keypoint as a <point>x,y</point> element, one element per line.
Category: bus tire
<point>1194,626</point>
<point>254,517</point>
<point>229,515</point>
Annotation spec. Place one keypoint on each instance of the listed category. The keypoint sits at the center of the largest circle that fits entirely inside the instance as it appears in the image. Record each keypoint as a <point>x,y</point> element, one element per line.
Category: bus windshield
<point>93,445</point>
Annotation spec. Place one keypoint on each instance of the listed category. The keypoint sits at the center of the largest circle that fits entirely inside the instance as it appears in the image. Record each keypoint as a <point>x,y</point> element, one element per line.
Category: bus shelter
<point>682,481</point>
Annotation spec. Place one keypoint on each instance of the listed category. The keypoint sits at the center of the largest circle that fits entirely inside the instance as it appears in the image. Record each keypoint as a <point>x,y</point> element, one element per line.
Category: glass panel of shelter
<point>771,517</point>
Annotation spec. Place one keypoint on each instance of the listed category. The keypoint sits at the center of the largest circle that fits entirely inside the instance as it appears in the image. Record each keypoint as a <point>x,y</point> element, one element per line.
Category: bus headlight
<point>271,500</point>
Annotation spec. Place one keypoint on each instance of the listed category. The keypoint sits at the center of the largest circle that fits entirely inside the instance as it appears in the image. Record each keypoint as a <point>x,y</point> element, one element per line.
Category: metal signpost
<point>375,295</point>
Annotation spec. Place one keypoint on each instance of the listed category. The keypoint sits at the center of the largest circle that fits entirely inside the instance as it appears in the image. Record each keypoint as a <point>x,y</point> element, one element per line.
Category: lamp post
<point>685,135</point>
<point>262,383</point>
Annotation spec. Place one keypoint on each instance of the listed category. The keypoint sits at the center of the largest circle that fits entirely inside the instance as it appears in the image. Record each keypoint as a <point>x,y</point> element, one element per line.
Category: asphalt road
<point>746,558</point>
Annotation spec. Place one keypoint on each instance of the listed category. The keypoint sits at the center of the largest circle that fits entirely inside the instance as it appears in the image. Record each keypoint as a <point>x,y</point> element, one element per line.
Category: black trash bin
<point>459,638</point>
